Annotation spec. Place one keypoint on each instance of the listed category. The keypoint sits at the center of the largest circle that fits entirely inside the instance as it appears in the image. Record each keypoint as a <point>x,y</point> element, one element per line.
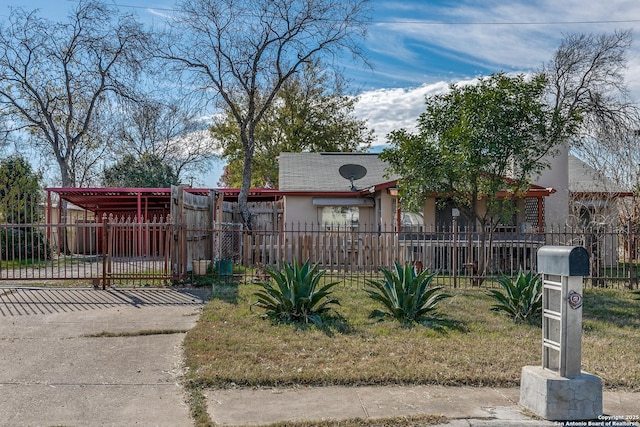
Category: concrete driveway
<point>54,371</point>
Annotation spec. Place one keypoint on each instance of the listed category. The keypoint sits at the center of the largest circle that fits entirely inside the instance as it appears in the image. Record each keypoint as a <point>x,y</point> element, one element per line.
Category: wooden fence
<point>264,215</point>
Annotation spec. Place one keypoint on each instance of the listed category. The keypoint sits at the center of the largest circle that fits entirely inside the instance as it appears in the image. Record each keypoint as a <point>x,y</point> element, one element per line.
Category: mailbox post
<point>559,390</point>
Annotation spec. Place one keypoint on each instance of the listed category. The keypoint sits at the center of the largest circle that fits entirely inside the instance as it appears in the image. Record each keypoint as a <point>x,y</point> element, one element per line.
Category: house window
<point>340,217</point>
<point>444,214</point>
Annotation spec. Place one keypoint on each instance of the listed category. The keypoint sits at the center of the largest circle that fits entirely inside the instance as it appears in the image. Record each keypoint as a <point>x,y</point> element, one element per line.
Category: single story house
<point>353,190</point>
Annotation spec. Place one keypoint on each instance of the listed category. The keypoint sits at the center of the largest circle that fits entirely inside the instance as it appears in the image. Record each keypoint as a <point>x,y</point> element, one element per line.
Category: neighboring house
<point>317,189</point>
<point>593,198</point>
<point>78,239</point>
<point>594,211</point>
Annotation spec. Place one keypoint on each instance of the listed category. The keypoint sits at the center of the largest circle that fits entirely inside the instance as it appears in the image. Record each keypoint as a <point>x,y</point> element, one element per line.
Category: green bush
<point>406,296</point>
<point>297,295</point>
<point>520,298</point>
<point>23,243</point>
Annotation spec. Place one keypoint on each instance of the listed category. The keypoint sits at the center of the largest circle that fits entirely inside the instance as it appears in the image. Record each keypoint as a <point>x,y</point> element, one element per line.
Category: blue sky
<point>418,47</point>
<point>416,42</point>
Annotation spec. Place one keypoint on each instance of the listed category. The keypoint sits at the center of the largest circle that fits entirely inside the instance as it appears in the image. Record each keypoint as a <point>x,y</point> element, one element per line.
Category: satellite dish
<point>352,173</point>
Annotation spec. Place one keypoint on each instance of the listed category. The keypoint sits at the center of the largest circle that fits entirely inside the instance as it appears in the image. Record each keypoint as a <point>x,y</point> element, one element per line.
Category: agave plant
<point>521,298</point>
<point>294,293</point>
<point>405,295</point>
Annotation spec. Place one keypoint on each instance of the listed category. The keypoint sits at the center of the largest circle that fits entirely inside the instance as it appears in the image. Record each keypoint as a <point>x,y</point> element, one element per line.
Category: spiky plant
<point>405,295</point>
<point>294,293</point>
<point>521,298</point>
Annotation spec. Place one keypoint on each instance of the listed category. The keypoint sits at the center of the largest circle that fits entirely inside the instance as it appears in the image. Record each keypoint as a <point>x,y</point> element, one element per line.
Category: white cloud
<point>515,35</point>
<point>392,109</point>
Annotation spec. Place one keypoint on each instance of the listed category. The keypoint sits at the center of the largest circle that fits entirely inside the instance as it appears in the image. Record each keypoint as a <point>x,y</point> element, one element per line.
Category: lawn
<point>234,345</point>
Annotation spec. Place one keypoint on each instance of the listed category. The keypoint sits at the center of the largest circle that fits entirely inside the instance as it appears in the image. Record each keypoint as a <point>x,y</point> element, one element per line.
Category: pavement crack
<point>362,405</point>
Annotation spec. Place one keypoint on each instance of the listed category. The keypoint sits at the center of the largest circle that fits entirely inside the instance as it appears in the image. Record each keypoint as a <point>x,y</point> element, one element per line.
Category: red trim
<point>532,192</point>
<point>129,201</point>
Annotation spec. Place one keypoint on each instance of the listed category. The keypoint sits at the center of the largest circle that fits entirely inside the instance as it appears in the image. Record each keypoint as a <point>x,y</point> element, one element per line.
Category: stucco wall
<point>556,206</point>
<point>300,210</point>
<point>429,211</point>
<point>387,209</point>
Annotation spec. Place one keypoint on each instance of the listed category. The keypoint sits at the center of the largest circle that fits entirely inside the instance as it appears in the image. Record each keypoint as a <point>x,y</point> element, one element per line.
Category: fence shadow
<point>20,301</point>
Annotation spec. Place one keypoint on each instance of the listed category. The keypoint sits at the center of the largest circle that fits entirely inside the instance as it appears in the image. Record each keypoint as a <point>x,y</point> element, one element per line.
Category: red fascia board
<point>105,190</point>
<point>109,199</point>
<point>122,190</point>
<point>532,192</point>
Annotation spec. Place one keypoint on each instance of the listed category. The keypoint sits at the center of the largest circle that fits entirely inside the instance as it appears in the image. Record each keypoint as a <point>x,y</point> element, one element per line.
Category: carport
<point>139,203</point>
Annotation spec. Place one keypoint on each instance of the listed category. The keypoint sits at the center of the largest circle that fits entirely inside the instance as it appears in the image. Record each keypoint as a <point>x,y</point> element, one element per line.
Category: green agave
<point>294,293</point>
<point>521,298</point>
<point>405,295</point>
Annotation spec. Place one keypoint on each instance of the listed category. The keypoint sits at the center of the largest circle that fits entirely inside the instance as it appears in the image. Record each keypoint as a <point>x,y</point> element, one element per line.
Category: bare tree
<point>618,161</point>
<point>171,130</point>
<point>243,51</point>
<point>55,77</point>
<point>586,80</point>
<point>310,113</point>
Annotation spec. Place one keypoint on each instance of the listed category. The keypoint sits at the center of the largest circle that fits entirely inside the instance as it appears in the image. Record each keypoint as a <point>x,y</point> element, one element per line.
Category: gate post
<point>105,250</point>
<point>559,390</point>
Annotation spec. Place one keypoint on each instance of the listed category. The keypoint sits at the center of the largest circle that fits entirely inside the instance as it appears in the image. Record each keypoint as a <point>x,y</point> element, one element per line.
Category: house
<point>595,204</point>
<point>353,190</point>
<point>355,202</point>
<point>353,194</point>
<point>594,199</point>
<point>315,191</point>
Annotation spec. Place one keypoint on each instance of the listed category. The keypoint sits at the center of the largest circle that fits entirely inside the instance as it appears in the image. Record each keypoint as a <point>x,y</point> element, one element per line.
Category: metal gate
<point>113,251</point>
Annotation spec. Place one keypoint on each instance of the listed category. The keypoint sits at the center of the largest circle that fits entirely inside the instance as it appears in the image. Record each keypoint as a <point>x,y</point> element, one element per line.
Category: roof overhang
<point>343,201</point>
<point>600,194</point>
<point>145,202</point>
<point>534,191</point>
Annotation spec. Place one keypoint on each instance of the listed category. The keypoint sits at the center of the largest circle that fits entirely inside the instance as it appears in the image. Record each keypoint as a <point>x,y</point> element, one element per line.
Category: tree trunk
<point>243,196</point>
<point>67,181</point>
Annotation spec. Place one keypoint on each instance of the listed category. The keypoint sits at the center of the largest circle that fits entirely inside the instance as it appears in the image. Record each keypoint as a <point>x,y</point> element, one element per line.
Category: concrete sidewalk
<point>462,406</point>
<point>53,373</point>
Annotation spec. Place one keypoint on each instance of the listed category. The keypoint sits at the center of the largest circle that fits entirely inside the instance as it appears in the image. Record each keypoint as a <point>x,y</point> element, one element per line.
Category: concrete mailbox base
<point>557,398</point>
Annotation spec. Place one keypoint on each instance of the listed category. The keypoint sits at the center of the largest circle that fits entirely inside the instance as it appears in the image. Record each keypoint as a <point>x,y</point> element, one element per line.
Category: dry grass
<point>409,421</point>
<point>233,345</point>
